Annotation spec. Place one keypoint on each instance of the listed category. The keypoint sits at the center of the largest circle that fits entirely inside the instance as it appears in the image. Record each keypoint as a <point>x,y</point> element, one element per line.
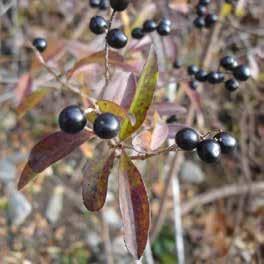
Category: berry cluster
<point>115,38</point>
<point>72,120</point>
<point>204,18</point>
<point>163,28</point>
<point>209,150</point>
<point>100,4</point>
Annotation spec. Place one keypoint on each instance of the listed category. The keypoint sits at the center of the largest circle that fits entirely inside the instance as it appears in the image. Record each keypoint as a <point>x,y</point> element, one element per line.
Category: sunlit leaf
<point>31,101</point>
<point>143,97</point>
<point>112,107</point>
<point>49,150</point>
<point>226,10</point>
<point>134,207</point>
<point>129,92</point>
<point>141,142</point>
<point>91,116</point>
<point>159,135</point>
<point>95,181</point>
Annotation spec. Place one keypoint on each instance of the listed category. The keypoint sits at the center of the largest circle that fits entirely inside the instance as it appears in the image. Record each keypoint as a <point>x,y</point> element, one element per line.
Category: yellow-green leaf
<point>143,97</point>
<point>226,10</point>
<point>112,107</point>
<point>31,101</point>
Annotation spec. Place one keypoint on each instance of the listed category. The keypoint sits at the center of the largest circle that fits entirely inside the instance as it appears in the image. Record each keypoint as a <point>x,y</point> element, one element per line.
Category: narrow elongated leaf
<point>31,101</point>
<point>159,135</point>
<point>134,207</point>
<point>95,181</point>
<point>49,150</point>
<point>111,107</point>
<point>143,97</point>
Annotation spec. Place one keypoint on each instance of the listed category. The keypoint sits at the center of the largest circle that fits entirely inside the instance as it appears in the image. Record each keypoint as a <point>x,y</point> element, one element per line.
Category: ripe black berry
<point>106,126</point>
<point>210,20</point>
<point>215,77</point>
<point>209,150</point>
<point>104,4</point>
<point>149,26</point>
<point>201,75</point>
<point>228,62</point>
<point>119,5</point>
<point>137,33</point>
<point>94,3</point>
<point>193,84</point>
<point>187,138</point>
<point>242,73</point>
<point>192,69</point>
<point>226,141</point>
<point>165,21</point>
<point>204,2</point>
<point>231,85</point>
<point>199,22</point>
<point>171,119</point>
<point>177,64</point>
<point>163,29</point>
<point>40,44</point>
<point>98,25</point>
<point>72,119</point>
<point>116,38</point>
<point>201,10</point>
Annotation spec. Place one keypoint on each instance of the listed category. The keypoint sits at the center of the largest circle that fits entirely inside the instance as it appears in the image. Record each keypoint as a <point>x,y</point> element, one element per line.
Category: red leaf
<point>95,182</point>
<point>49,150</point>
<point>134,207</point>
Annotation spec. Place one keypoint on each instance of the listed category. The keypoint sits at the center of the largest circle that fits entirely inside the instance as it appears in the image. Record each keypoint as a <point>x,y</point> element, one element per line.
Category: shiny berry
<point>210,20</point>
<point>171,119</point>
<point>116,38</point>
<point>193,84</point>
<point>94,3</point>
<point>187,138</point>
<point>98,25</point>
<point>215,77</point>
<point>163,29</point>
<point>204,2</point>
<point>104,4</point>
<point>72,119</point>
<point>226,141</point>
<point>192,69</point>
<point>231,85</point>
<point>201,10</point>
<point>119,5</point>
<point>137,33</point>
<point>228,63</point>
<point>40,44</point>
<point>199,22</point>
<point>209,150</point>
<point>149,26</point>
<point>201,75</point>
<point>165,21</point>
<point>106,126</point>
<point>242,73</point>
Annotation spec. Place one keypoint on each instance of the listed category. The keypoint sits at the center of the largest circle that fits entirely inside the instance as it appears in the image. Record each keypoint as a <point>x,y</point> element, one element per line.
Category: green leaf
<point>112,107</point>
<point>134,207</point>
<point>143,97</point>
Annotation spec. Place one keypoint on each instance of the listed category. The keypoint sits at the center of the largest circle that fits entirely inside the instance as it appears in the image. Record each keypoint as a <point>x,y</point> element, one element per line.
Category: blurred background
<point>222,205</point>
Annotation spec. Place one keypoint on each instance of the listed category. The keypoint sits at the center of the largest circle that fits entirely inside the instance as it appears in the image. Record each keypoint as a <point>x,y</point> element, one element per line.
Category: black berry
<point>40,44</point>
<point>231,85</point>
<point>72,119</point>
<point>215,77</point>
<point>171,119</point>
<point>104,4</point>
<point>119,5</point>
<point>201,10</point>
<point>210,20</point>
<point>193,84</point>
<point>163,29</point>
<point>226,141</point>
<point>94,3</point>
<point>98,25</point>
<point>201,75</point>
<point>106,126</point>
<point>177,64</point>
<point>192,69</point>
<point>242,73</point>
<point>165,21</point>
<point>209,150</point>
<point>187,138</point>
<point>199,22</point>
<point>137,33</point>
<point>116,38</point>
<point>204,2</point>
<point>228,62</point>
<point>149,26</point>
